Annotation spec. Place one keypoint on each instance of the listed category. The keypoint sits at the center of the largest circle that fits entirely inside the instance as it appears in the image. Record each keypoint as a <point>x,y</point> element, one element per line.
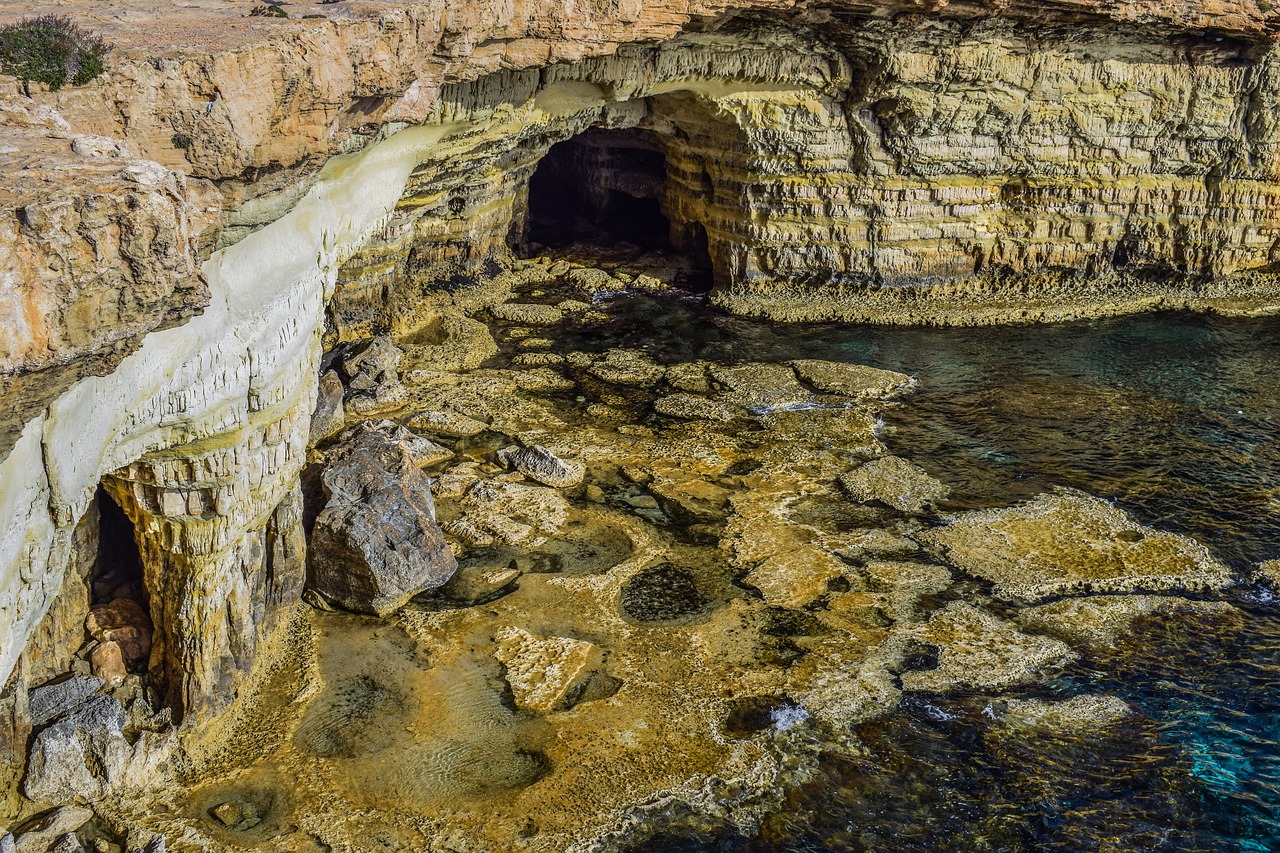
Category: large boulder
<point>85,753</point>
<point>376,544</point>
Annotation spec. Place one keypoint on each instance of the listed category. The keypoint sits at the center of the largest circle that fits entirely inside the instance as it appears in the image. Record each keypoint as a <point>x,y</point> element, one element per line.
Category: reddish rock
<point>108,664</point>
<point>124,622</point>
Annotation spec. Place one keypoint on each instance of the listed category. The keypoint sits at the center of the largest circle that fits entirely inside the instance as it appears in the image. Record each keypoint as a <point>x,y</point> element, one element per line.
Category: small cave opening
<point>119,569</point>
<point>607,188</point>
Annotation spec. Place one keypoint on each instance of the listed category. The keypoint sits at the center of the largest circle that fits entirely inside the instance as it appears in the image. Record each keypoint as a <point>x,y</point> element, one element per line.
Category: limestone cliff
<point>176,229</point>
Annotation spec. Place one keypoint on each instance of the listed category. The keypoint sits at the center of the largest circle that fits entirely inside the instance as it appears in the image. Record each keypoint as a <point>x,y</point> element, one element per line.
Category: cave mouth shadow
<point>607,188</point>
<point>118,573</point>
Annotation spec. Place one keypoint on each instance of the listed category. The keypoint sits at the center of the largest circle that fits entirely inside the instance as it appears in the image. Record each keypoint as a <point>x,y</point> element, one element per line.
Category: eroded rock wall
<point>908,170</point>
<point>971,164</point>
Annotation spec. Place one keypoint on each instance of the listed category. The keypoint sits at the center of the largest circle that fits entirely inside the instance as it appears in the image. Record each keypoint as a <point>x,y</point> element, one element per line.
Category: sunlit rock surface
<point>188,233</point>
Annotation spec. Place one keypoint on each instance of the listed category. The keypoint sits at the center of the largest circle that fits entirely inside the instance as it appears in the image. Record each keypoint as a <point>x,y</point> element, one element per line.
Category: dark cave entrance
<point>119,570</point>
<point>600,187</point>
<point>606,188</point>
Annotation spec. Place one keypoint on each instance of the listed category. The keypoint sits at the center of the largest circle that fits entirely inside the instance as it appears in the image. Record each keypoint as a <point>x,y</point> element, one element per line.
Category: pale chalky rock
<point>538,463</point>
<point>41,835</point>
<point>546,674</point>
<point>894,481</point>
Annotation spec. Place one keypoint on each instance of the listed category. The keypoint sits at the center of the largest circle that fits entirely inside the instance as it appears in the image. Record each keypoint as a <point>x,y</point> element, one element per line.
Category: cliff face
<point>888,161</point>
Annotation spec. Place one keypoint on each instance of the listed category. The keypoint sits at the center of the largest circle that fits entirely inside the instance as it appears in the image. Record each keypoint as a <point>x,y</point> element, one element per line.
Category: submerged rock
<point>528,313</point>
<point>1098,624</point>
<point>538,463</point>
<point>1068,543</point>
<point>692,407</point>
<point>796,576</point>
<point>547,674</point>
<point>1078,714</point>
<point>627,367</point>
<point>851,380</point>
<point>376,544</point>
<point>894,481</point>
<point>977,650</point>
<point>446,423</point>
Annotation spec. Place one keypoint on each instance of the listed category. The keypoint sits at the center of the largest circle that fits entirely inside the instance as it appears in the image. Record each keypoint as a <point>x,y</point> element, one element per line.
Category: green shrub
<point>181,141</point>
<point>52,50</point>
<point>267,11</point>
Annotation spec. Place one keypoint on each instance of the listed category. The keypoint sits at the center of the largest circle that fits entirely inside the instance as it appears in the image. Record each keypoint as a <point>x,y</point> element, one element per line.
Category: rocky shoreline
<point>298,313</point>
<point>661,613</point>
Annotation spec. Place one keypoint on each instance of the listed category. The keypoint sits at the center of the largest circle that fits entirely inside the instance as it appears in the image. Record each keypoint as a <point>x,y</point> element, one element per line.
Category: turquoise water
<point>1174,418</point>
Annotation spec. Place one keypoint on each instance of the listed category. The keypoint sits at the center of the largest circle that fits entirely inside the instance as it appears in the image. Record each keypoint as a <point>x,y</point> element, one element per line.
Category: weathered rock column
<point>223,551</point>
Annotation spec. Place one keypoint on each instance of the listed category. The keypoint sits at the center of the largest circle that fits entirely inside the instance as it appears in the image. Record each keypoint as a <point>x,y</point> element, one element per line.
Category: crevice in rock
<point>118,571</point>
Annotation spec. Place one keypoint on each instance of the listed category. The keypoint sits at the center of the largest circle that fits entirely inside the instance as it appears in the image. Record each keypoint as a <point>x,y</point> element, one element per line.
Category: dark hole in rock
<point>350,720</point>
<point>921,657</point>
<point>750,714</point>
<point>600,187</point>
<point>662,595</point>
<point>119,569</point>
<point>781,622</point>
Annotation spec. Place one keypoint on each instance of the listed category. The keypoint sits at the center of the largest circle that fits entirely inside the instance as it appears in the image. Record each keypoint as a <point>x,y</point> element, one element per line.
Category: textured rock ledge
<point>866,162</point>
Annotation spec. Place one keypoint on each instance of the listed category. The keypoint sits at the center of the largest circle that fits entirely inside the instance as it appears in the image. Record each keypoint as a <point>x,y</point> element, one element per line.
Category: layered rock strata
<point>866,161</point>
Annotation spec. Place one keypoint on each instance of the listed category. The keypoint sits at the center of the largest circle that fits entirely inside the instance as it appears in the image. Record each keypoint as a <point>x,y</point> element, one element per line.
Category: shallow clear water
<point>1171,416</point>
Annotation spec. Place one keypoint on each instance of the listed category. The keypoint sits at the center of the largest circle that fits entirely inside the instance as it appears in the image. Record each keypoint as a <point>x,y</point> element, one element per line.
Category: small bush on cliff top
<point>51,49</point>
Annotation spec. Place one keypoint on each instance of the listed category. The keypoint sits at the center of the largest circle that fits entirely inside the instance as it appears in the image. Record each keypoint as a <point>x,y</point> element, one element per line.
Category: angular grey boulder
<point>372,379</point>
<point>50,701</point>
<point>74,757</point>
<point>48,831</point>
<point>376,544</point>
<point>538,463</point>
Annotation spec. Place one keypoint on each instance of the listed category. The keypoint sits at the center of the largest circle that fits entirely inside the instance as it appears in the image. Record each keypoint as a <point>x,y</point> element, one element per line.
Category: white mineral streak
<point>248,359</point>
